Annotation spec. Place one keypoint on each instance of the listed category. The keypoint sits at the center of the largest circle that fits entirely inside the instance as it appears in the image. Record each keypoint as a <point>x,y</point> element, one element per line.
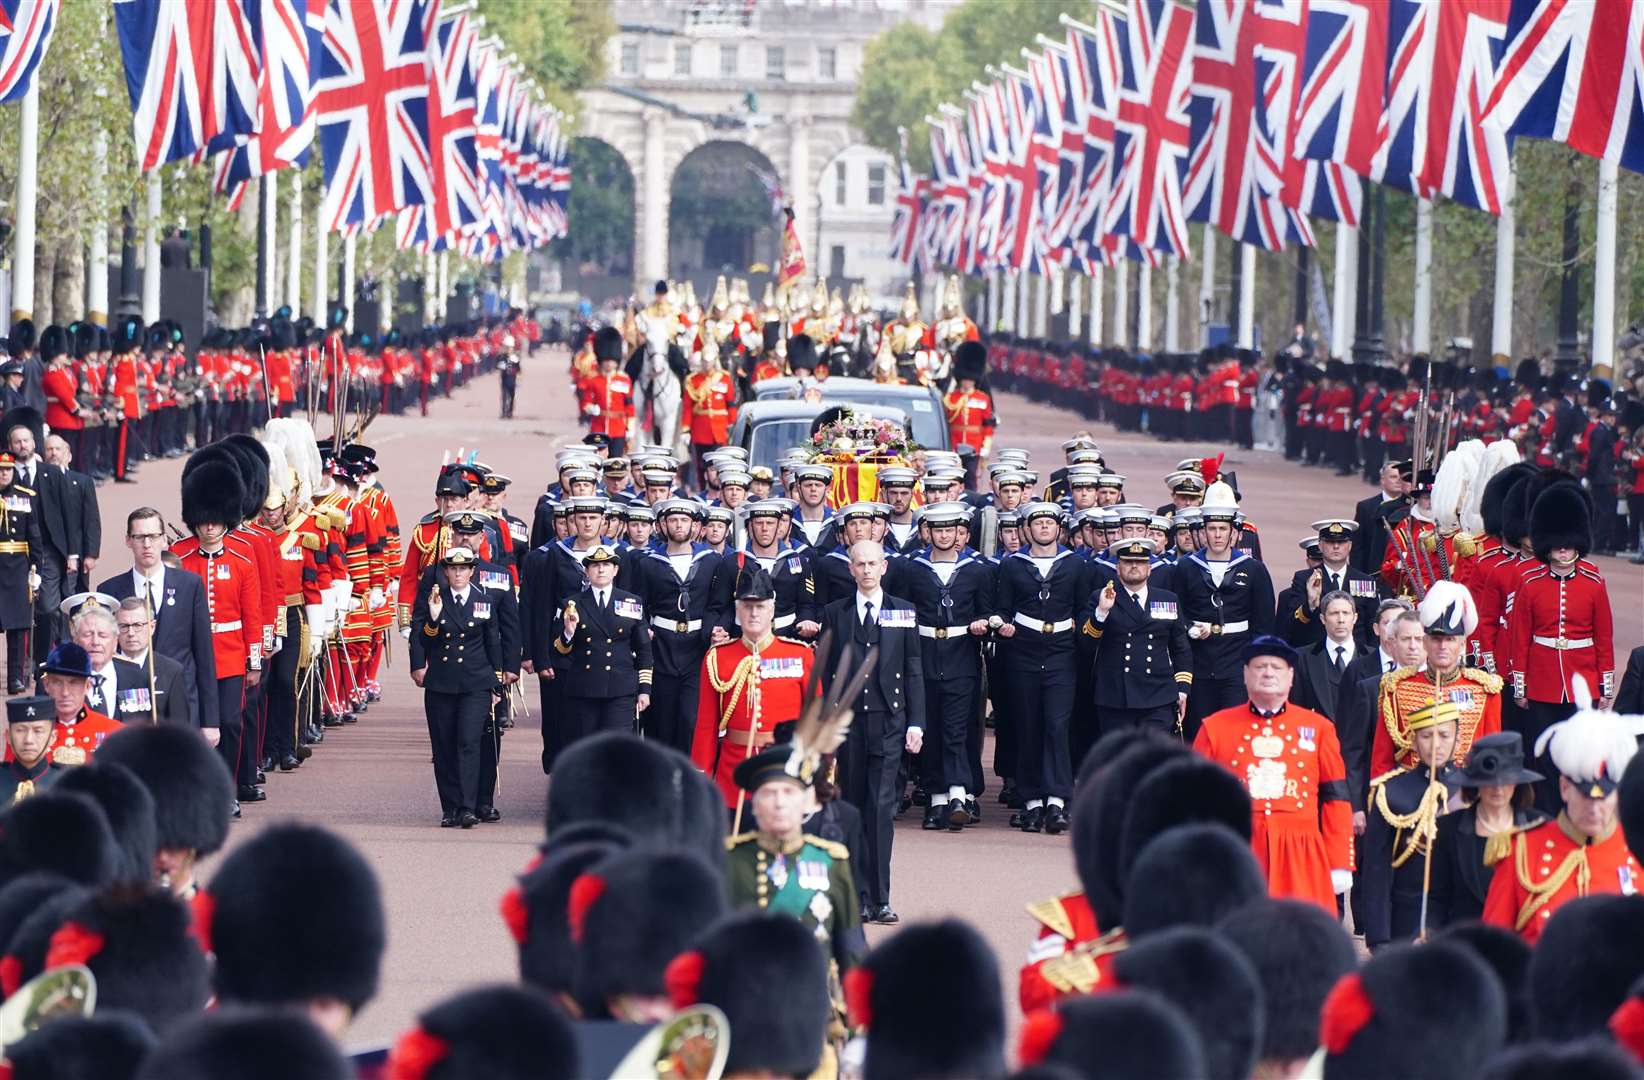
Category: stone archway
<point>721,218</point>
<point>597,252</point>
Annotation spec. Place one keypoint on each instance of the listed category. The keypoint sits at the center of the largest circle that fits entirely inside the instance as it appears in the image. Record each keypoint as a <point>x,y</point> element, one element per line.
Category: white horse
<point>658,387</point>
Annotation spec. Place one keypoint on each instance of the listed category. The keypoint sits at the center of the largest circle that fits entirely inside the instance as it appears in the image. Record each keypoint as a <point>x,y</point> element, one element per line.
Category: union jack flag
<point>987,200</point>
<point>1028,148</point>
<point>371,92</point>
<point>1574,73</point>
<point>949,193</point>
<point>291,32</point>
<point>1151,126</point>
<point>1093,69</point>
<point>191,73</point>
<point>907,222</point>
<point>1244,75</point>
<point>27,26</point>
<point>1344,77</point>
<point>457,202</point>
<point>1441,71</point>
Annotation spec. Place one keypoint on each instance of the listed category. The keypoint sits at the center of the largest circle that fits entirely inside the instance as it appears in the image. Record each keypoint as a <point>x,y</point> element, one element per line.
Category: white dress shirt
<point>877,599</point>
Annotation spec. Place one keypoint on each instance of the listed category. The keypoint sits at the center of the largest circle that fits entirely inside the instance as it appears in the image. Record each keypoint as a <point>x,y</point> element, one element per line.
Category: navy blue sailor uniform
<point>683,608</point>
<point>1142,658</point>
<point>1233,601</point>
<point>948,597</point>
<point>1043,605</point>
<point>818,535</point>
<point>605,664</point>
<point>462,652</point>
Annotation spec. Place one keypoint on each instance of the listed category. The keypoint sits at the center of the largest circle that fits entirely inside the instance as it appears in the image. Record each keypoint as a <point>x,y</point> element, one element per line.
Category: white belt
<point>1563,642</point>
<point>223,627</point>
<point>1043,627</point>
<point>1233,627</point>
<point>785,620</point>
<point>677,627</point>
<point>942,633</point>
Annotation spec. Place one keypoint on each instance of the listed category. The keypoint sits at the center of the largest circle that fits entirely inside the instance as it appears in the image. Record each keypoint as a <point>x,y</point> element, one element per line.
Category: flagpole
<point>1041,306</point>
<point>1173,304</point>
<point>1075,289</point>
<point>1207,284</point>
<point>1096,272</point>
<point>1024,298</point>
<point>322,278</point>
<point>97,287</point>
<point>265,242</point>
<point>28,160</point>
<point>348,279</point>
<point>1501,314</point>
<point>294,254</point>
<point>1247,296</point>
<point>151,250</point>
<point>1609,176</point>
<point>994,320</point>
<point>444,285</point>
<point>1144,307</point>
<point>1008,300</point>
<point>1421,322</point>
<point>1341,306</point>
<point>1121,303</point>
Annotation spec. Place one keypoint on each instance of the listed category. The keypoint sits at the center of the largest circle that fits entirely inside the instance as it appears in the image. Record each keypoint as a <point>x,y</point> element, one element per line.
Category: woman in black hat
<point>1500,803</point>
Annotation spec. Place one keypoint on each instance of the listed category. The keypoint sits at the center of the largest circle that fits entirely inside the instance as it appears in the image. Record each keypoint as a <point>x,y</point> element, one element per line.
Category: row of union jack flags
<point>420,121</point>
<point>1258,116</point>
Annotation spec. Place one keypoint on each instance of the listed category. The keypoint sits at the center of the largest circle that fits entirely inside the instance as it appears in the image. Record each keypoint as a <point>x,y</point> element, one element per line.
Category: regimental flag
<point>371,91</point>
<point>1441,71</point>
<point>1573,71</point>
<point>1151,127</point>
<point>191,73</point>
<point>791,265</point>
<point>27,26</point>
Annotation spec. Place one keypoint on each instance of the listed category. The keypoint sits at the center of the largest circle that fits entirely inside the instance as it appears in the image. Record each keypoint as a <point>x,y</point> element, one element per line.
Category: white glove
<point>34,581</point>
<point>276,646</point>
<point>318,618</point>
<point>376,598</point>
<point>1341,881</point>
<point>1198,631</point>
<point>405,632</point>
<point>594,410</point>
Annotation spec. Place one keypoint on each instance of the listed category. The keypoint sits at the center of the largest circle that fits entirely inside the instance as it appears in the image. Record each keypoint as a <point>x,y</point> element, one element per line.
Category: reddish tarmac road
<point>373,783</point>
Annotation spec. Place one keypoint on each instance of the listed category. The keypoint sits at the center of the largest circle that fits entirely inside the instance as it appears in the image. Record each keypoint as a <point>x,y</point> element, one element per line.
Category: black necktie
<point>1341,658</point>
<point>1136,598</point>
<point>867,613</point>
<point>1335,584</point>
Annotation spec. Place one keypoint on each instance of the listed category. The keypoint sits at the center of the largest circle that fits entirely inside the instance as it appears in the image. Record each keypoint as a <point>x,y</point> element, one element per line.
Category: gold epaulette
<point>832,847</point>
<point>1491,682</point>
<point>1075,971</point>
<point>1053,915</point>
<point>309,540</point>
<point>1466,545</point>
<point>1396,676</point>
<point>739,839</point>
<point>1386,776</point>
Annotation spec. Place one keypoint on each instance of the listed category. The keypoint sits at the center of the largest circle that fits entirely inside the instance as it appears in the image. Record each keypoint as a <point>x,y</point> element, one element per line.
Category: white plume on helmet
<point>280,478</point>
<point>1453,484</point>
<point>302,453</point>
<point>1593,743</point>
<point>1497,456</point>
<point>1448,608</point>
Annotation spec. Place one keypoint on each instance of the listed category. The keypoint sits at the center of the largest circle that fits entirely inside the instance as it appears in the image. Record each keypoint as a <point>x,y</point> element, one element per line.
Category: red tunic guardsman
<point>748,687</point>
<point>608,394</point>
<point>969,407</point>
<point>1289,759</point>
<point>1582,852</point>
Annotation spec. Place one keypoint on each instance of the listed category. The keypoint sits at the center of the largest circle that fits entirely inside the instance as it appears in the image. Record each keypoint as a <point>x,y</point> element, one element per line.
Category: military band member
<point>1580,853</point>
<point>30,724</point>
<point>20,540</point>
<point>1405,807</point>
<point>688,605</point>
<point>1302,624</point>
<point>603,647</point>
<point>951,589</point>
<point>1416,556</point>
<point>1290,761</point>
<point>748,687</point>
<point>1226,598</point>
<point>456,658</point>
<point>1144,668</point>
<point>1040,591</point>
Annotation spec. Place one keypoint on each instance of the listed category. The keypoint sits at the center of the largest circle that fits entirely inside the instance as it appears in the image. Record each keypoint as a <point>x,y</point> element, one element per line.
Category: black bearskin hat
<point>1561,518</point>
<point>1493,503</point>
<point>608,344</point>
<point>496,1032</point>
<point>1213,986</point>
<point>914,1032</point>
<point>243,1044</point>
<point>801,354</point>
<point>970,361</point>
<point>1298,951</point>
<point>1590,1059</point>
<point>631,914</point>
<point>139,942</point>
<point>213,493</point>
<point>1506,954</point>
<point>669,802</point>
<point>1191,875</point>
<point>53,342</point>
<point>192,789</point>
<point>126,804</point>
<point>1590,953</point>
<point>1413,1011</point>
<point>1129,1033</point>
<point>22,897</point>
<point>23,416</point>
<point>1194,789</point>
<point>108,1046</point>
<point>26,951</point>
<point>536,910</point>
<point>58,833</point>
<point>22,336</point>
<point>286,868</point>
<point>1630,806</point>
<point>1099,813</point>
<point>769,975</point>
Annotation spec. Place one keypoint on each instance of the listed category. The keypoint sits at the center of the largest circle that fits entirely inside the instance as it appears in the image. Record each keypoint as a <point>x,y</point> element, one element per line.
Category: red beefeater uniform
<point>970,419</point>
<point>1071,955</point>
<point>709,408</point>
<point>610,404</point>
<point>737,697</point>
<point>1292,766</point>
<point>1559,627</point>
<point>234,600</point>
<point>1551,865</point>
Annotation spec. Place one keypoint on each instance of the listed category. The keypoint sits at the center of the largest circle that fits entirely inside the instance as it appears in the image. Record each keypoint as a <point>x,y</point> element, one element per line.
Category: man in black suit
<point>890,714</point>
<point>1321,669</point>
<point>1629,700</point>
<point>85,519</point>
<point>1376,516</point>
<point>170,698</point>
<point>59,554</point>
<point>182,625</point>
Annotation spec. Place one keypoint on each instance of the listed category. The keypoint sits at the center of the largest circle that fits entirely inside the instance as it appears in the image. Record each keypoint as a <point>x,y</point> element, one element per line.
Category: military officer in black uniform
<point>689,607</point>
<point>951,588</point>
<point>603,647</point>
<point>798,613</point>
<point>1226,599</point>
<point>456,657</point>
<point>1144,667</point>
<point>1298,617</point>
<point>1041,588</point>
<point>19,545</point>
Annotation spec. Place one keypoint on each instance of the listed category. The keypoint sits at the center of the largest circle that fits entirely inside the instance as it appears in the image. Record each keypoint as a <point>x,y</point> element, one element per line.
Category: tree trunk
<point>45,269</point>
<point>68,291</point>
